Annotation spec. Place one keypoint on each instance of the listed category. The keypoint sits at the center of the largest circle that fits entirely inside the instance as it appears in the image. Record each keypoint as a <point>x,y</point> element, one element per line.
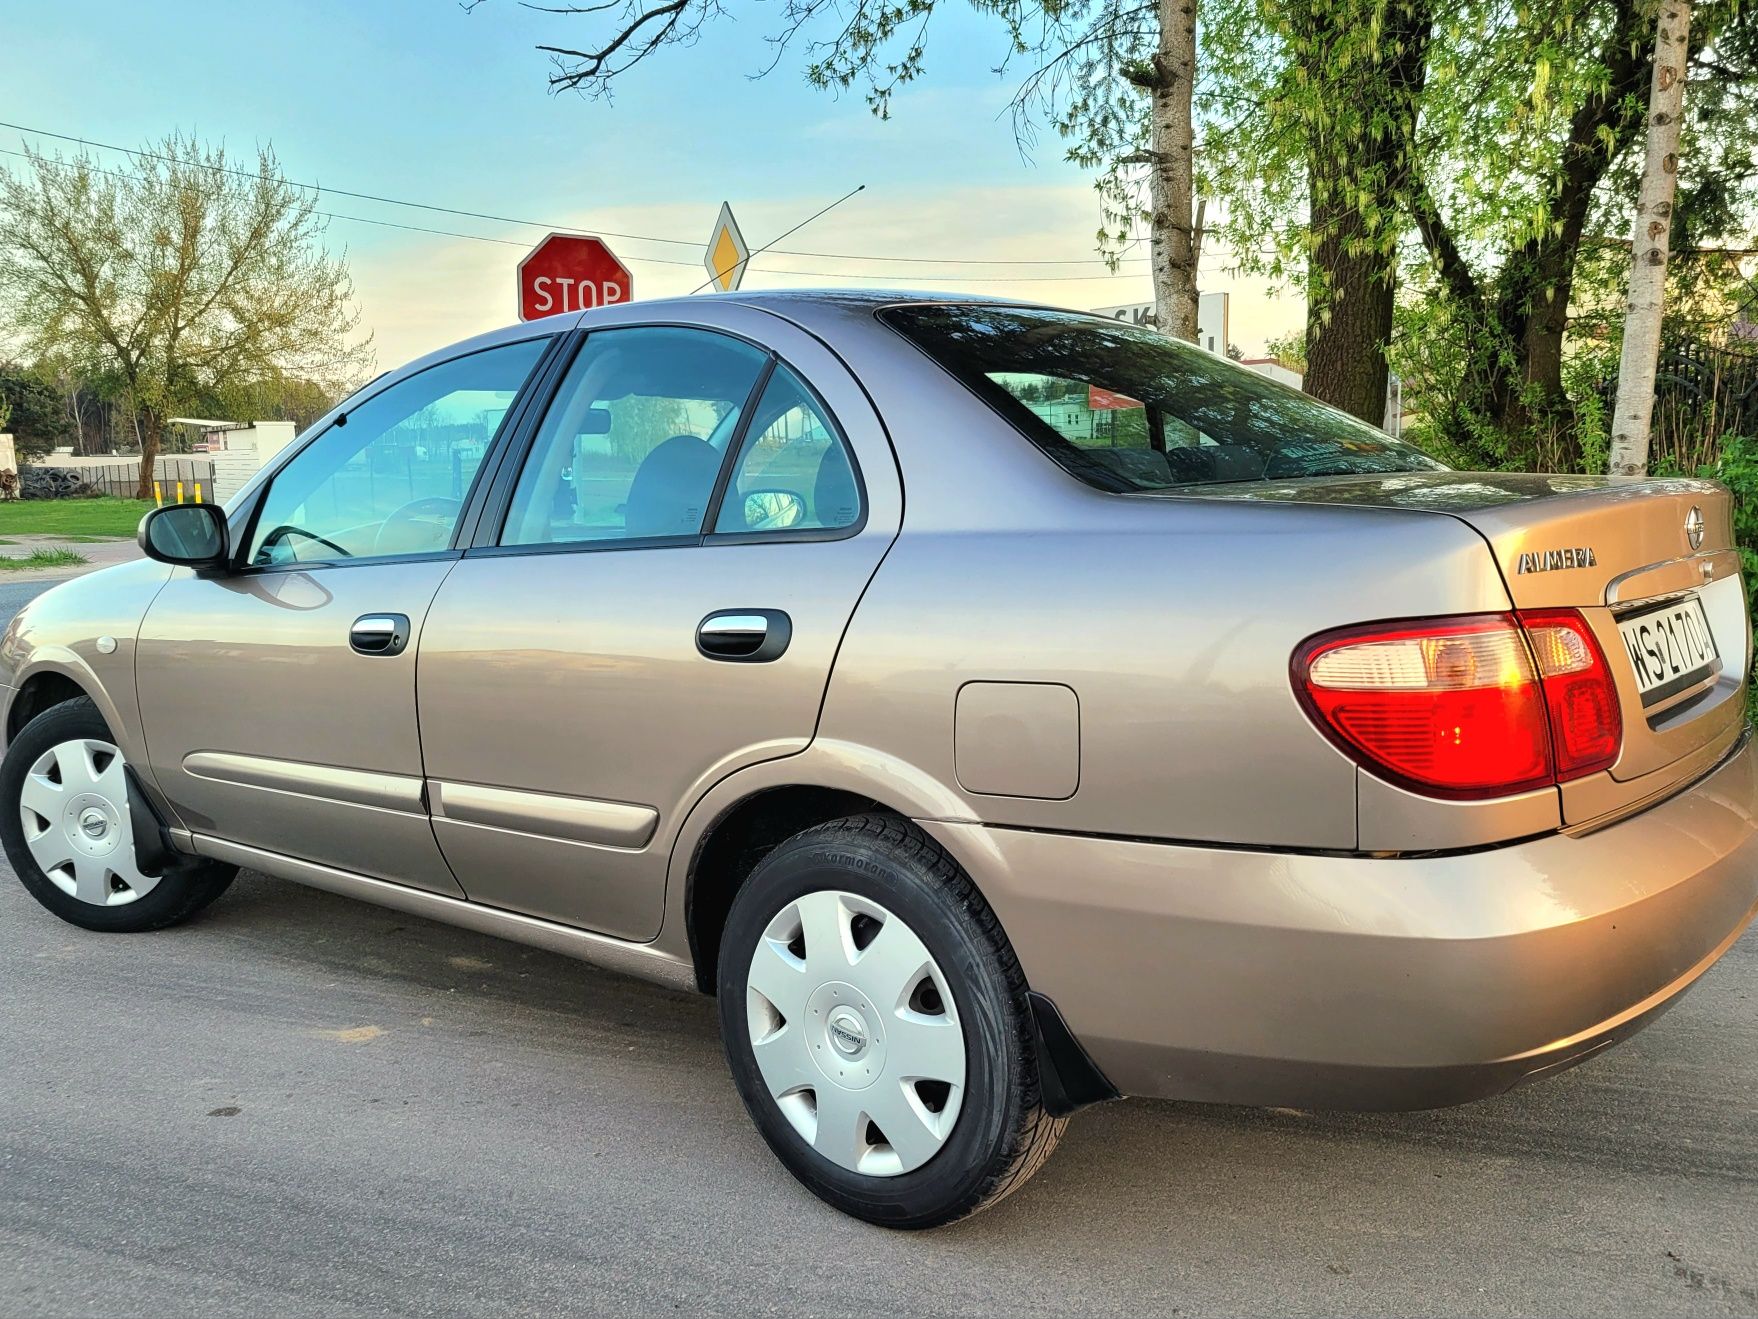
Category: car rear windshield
<point>1128,410</point>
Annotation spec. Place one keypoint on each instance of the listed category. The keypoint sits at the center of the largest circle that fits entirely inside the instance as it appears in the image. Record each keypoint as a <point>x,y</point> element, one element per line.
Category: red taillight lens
<point>1466,707</point>
<point>1586,726</point>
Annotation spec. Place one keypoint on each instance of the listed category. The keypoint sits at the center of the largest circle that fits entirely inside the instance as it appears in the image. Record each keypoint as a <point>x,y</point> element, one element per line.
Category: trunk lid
<point>1639,557</point>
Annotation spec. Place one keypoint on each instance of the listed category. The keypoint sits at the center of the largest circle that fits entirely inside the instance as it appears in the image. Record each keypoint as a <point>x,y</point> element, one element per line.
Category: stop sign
<point>568,272</point>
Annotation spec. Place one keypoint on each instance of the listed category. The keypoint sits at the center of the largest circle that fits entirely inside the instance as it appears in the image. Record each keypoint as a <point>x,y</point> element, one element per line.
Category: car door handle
<point>744,636</point>
<point>379,634</point>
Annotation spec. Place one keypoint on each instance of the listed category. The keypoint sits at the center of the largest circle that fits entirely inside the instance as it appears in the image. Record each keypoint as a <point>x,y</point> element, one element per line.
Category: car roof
<point>813,308</point>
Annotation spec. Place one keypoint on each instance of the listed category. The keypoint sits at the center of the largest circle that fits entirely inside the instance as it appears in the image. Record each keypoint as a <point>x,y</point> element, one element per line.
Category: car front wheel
<point>67,823</point>
<point>876,1024</point>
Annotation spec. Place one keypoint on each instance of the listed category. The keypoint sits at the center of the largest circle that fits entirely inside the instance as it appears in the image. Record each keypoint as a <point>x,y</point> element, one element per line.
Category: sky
<point>421,100</point>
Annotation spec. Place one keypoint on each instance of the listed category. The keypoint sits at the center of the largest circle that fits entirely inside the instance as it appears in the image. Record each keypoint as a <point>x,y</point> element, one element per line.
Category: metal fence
<point>122,477</point>
<point>1701,393</point>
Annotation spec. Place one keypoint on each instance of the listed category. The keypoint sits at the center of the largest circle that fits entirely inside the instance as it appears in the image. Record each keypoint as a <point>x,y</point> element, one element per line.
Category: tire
<point>99,884</point>
<point>845,1037</point>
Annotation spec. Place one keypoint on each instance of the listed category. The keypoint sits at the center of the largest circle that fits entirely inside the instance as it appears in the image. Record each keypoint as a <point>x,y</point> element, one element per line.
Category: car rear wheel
<point>876,1024</point>
<point>67,820</point>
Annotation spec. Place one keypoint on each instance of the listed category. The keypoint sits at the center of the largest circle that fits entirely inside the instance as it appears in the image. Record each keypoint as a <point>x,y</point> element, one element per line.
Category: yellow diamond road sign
<point>727,253</point>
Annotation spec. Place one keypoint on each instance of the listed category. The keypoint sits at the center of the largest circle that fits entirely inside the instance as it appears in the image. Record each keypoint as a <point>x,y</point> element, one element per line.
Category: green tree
<point>178,278</point>
<point>1310,112</point>
<point>32,409</point>
<point>1481,156</point>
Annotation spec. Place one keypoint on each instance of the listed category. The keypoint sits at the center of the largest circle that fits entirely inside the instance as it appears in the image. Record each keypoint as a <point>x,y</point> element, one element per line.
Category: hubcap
<point>855,1033</point>
<point>74,808</point>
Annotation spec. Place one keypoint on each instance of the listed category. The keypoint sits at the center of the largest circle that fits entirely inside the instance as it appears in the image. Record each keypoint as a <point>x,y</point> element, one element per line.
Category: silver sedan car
<point>999,709</point>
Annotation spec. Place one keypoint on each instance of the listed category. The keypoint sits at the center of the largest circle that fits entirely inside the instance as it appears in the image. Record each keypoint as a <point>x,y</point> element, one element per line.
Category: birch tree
<point>1169,80</point>
<point>1649,242</point>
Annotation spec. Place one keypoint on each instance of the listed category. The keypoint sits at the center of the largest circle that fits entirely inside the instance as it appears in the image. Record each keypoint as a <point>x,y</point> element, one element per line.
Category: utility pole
<point>1649,242</point>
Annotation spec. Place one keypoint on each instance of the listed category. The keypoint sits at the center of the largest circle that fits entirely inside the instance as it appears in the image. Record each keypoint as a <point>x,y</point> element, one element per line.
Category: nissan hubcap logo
<point>1694,526</point>
<point>94,823</point>
<point>848,1033</point>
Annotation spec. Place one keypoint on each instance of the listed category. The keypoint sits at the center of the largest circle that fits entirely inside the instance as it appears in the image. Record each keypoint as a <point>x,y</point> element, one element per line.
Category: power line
<point>714,276</point>
<point>553,227</point>
<point>925,278</point>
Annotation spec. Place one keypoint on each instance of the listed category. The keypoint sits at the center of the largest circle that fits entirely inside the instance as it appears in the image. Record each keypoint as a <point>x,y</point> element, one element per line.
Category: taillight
<point>1480,706</point>
<point>1586,726</point>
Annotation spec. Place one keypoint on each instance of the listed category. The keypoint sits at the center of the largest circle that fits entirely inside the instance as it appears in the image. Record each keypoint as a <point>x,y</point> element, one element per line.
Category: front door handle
<point>379,634</point>
<point>744,636</point>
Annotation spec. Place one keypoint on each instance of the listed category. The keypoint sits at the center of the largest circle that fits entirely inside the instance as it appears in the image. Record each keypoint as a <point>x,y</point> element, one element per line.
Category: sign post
<point>571,272</point>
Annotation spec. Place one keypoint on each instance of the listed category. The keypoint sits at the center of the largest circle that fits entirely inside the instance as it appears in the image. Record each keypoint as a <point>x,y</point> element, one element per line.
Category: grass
<point>42,559</point>
<point>103,518</point>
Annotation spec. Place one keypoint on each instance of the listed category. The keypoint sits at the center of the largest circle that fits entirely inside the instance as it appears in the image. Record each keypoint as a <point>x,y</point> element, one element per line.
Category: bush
<point>1736,467</point>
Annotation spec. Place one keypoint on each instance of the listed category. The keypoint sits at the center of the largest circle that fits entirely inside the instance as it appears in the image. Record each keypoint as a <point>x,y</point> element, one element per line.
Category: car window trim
<point>735,446</point>
<point>490,496</point>
<point>241,543</point>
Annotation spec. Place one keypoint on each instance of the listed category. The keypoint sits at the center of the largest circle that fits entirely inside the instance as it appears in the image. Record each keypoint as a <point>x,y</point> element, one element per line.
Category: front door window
<point>390,476</point>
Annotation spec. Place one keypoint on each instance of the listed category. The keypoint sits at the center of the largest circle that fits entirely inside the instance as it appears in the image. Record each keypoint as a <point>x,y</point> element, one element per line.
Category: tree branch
<point>598,66</point>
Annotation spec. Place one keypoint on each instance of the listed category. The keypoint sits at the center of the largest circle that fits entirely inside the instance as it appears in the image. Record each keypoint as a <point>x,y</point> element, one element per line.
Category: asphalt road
<point>16,595</point>
<point>300,1105</point>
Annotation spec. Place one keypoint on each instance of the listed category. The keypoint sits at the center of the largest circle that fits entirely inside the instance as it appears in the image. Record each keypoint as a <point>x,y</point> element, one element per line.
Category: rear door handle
<point>379,634</point>
<point>744,636</point>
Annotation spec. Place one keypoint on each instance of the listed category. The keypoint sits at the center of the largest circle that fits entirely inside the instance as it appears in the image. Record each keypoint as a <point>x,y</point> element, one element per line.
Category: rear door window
<point>634,442</point>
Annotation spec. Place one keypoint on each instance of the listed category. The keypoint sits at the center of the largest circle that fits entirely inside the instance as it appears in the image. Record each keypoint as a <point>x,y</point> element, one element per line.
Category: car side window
<point>633,444</point>
<point>794,472</point>
<point>389,477</point>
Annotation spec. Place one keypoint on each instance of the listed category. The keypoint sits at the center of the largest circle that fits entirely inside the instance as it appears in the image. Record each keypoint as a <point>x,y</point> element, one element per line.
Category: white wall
<point>233,466</point>
<point>1211,323</point>
<point>1266,366</point>
<point>1211,319</point>
<point>268,438</point>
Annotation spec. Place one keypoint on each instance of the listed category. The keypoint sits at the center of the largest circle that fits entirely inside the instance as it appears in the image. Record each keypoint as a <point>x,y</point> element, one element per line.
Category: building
<point>1211,319</point>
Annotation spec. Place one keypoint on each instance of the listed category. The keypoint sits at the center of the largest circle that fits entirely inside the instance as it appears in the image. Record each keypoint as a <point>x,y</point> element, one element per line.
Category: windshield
<point>1129,410</point>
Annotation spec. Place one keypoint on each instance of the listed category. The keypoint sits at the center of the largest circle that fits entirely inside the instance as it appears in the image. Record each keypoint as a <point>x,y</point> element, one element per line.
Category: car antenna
<point>773,241</point>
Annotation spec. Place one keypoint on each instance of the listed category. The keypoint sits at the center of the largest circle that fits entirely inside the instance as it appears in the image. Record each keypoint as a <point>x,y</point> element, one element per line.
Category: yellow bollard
<point>180,492</point>
<point>198,492</point>
<point>158,495</point>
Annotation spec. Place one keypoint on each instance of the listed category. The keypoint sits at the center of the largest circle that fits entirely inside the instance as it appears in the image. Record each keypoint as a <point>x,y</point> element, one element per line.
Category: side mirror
<point>773,510</point>
<point>189,535</point>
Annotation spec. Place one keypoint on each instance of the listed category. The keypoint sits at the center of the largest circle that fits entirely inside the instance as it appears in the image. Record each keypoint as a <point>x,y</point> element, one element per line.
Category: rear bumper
<point>1354,982</point>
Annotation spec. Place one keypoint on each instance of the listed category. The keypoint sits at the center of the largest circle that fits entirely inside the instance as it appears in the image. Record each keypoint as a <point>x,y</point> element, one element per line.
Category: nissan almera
<point>999,709</point>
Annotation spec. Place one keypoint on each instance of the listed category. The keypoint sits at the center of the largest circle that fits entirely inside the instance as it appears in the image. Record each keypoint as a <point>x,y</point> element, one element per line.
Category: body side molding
<point>358,787</point>
<point>576,819</point>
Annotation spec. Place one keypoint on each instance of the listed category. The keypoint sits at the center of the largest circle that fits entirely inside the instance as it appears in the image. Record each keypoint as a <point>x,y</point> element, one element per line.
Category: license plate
<point>1670,648</point>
